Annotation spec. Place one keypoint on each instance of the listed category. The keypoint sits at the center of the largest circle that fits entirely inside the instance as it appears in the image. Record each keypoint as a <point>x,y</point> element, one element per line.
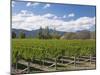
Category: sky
<point>62,17</point>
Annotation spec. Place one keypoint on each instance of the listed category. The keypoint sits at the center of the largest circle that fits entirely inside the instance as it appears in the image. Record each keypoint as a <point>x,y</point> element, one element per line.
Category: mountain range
<point>34,33</point>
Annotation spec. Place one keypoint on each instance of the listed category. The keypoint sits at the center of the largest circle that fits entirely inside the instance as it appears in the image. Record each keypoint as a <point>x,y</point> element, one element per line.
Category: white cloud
<point>46,6</point>
<point>48,15</point>
<point>23,11</point>
<point>35,4</point>
<point>13,3</point>
<point>28,20</point>
<point>56,17</point>
<point>32,4</point>
<point>64,16</point>
<point>71,15</point>
<point>28,4</point>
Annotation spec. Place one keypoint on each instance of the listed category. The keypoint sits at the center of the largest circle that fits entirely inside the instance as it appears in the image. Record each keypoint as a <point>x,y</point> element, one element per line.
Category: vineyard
<point>38,55</point>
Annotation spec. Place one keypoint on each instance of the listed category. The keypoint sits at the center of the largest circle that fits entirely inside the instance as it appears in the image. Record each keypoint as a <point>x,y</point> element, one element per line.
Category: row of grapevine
<point>40,49</point>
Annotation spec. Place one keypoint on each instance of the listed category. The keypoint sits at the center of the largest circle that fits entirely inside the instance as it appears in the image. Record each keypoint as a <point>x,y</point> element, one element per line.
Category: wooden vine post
<point>90,59</point>
<point>28,67</point>
<point>16,63</point>
<point>75,61</point>
<point>56,63</point>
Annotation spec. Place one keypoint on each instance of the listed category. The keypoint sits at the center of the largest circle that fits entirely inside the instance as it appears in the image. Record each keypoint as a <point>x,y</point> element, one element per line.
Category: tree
<point>22,35</point>
<point>40,33</point>
<point>46,33</point>
<point>55,35</point>
<point>13,35</point>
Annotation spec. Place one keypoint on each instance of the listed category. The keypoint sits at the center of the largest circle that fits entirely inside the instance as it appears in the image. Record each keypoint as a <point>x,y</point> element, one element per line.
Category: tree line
<point>42,34</point>
<point>21,35</point>
<point>47,34</point>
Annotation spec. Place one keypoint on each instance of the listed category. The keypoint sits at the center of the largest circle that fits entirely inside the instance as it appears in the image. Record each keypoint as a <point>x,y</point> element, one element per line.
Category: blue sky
<point>63,17</point>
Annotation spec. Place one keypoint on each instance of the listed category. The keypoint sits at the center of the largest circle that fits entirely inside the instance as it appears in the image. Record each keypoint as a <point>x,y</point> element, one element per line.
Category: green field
<point>53,50</point>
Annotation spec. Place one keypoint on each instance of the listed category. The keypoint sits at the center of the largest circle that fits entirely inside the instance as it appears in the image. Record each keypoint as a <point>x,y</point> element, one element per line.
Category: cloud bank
<point>29,21</point>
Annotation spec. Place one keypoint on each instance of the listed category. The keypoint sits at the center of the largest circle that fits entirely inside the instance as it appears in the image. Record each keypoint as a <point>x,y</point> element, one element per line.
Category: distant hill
<point>33,33</point>
<point>82,34</point>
